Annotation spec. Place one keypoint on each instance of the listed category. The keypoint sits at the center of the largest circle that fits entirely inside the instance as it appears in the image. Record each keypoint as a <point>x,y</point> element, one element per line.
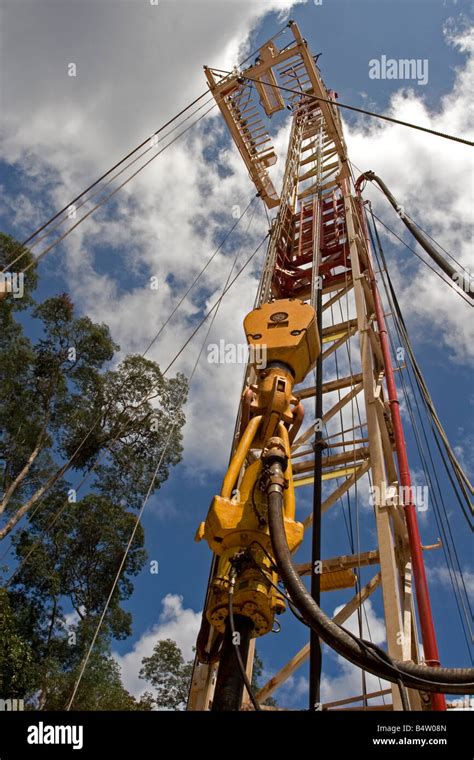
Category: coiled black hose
<point>363,654</point>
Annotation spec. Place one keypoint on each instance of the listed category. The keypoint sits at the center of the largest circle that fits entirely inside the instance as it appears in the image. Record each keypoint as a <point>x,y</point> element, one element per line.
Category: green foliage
<point>76,561</point>
<point>17,668</point>
<point>100,688</point>
<point>16,257</point>
<point>144,417</point>
<point>37,384</point>
<point>169,675</point>
<point>257,673</point>
<point>64,411</point>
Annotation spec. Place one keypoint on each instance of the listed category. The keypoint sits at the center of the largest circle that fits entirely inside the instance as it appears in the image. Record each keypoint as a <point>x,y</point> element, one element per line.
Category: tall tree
<point>100,689</point>
<point>17,662</point>
<point>66,411</point>
<point>169,675</point>
<point>59,412</point>
<point>257,674</point>
<point>74,562</point>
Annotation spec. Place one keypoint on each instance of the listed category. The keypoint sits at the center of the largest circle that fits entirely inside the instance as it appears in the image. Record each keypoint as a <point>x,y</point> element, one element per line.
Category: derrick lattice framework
<point>318,254</point>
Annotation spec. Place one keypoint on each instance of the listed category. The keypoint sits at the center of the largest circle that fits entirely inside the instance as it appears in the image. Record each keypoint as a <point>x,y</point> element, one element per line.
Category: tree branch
<point>32,501</point>
<point>24,472</point>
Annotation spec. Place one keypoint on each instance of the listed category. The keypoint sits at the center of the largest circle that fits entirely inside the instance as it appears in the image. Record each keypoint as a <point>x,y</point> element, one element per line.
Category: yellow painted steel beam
<point>326,476</point>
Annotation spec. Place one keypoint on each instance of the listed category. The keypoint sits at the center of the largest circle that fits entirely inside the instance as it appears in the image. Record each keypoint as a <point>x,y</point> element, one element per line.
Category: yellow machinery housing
<point>285,333</point>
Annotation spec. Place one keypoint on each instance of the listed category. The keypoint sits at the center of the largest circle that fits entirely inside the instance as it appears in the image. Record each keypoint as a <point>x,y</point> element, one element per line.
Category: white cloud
<point>176,623</point>
<point>429,176</point>
<point>71,619</point>
<point>461,703</point>
<point>373,627</point>
<point>441,574</point>
<point>292,692</point>
<point>62,131</point>
<point>347,682</point>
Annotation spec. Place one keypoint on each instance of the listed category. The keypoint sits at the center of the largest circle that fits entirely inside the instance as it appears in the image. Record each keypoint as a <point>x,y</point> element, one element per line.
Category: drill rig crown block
<point>288,331</point>
<point>267,86</point>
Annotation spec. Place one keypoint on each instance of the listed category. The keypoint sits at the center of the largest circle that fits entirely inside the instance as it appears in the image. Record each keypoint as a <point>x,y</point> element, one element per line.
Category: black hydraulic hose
<point>363,654</point>
<point>315,651</point>
<point>403,696</point>
<point>452,273</point>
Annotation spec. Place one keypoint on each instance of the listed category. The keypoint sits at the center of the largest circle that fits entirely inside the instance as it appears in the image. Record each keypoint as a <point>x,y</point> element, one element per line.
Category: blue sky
<point>57,135</point>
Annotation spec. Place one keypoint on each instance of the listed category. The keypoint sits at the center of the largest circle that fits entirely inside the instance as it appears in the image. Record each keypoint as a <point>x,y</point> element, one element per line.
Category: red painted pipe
<point>428,635</point>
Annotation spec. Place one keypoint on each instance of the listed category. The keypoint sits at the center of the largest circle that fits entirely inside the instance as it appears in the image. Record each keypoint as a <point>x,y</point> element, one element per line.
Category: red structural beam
<point>428,635</point>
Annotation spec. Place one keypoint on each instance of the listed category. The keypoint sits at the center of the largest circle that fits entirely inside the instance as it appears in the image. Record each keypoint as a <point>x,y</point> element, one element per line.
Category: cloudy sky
<point>135,65</point>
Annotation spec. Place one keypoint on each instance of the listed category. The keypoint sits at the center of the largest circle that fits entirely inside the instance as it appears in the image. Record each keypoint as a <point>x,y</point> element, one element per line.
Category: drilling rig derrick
<point>317,296</point>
